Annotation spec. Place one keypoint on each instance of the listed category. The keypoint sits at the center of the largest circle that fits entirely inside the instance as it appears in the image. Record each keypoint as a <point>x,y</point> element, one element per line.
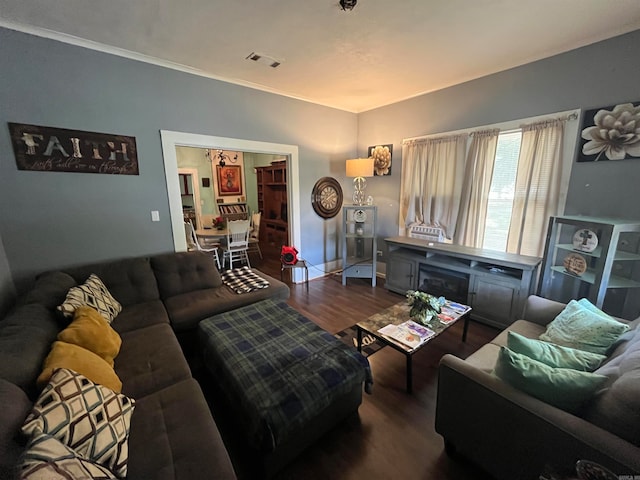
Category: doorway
<point>170,140</point>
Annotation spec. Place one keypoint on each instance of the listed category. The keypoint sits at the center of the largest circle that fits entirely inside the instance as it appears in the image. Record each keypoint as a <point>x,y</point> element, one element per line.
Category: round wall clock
<point>585,240</point>
<point>326,197</point>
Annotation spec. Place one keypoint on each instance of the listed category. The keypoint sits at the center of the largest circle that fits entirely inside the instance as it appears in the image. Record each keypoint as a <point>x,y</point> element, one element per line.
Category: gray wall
<point>599,75</point>
<point>58,219</point>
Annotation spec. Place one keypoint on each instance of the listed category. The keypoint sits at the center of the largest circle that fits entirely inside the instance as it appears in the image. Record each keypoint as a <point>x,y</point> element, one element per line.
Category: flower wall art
<point>381,155</point>
<point>610,133</point>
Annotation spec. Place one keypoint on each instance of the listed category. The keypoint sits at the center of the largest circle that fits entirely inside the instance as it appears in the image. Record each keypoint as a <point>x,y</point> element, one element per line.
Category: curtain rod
<point>502,126</point>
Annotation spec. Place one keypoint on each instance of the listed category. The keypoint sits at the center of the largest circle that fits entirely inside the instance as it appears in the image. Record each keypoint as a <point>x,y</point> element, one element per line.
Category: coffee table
<point>397,314</point>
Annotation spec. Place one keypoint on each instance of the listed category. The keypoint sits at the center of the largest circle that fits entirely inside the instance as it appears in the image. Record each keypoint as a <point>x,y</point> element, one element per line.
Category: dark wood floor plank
<point>393,434</point>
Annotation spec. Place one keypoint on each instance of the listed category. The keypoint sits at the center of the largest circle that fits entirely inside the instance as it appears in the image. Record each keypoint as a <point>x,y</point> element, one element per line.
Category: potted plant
<point>424,307</point>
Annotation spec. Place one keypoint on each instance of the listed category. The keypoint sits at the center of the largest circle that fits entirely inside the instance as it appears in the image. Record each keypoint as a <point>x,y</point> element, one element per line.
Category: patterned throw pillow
<point>91,419</point>
<point>584,328</point>
<point>46,458</point>
<point>94,294</point>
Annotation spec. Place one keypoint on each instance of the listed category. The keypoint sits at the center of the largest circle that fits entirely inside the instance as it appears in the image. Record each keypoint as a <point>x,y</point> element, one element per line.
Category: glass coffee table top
<point>399,313</point>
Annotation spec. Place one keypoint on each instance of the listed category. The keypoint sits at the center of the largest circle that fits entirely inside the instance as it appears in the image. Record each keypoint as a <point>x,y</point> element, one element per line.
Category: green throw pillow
<point>554,355</point>
<point>562,387</point>
<point>584,328</point>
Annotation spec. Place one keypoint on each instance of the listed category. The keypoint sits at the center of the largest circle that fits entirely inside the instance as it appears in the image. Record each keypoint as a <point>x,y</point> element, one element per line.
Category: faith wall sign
<point>47,149</point>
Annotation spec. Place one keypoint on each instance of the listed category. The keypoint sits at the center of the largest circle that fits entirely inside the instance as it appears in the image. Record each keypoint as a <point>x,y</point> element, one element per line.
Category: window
<point>502,191</point>
<point>492,187</point>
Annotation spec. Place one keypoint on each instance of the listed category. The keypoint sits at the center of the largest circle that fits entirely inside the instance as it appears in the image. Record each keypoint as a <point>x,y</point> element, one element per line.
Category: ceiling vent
<point>264,59</point>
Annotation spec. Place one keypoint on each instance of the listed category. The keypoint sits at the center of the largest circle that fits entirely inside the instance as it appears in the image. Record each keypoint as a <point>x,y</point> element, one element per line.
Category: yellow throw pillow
<point>90,330</point>
<point>82,361</point>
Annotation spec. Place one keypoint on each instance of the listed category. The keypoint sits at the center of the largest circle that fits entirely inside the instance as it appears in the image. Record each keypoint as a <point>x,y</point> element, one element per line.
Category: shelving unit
<point>612,268</point>
<point>272,202</point>
<point>233,211</point>
<point>359,242</point>
<point>494,284</point>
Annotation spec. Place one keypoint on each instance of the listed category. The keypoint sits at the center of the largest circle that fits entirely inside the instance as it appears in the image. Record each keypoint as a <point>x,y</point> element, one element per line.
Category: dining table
<point>211,233</point>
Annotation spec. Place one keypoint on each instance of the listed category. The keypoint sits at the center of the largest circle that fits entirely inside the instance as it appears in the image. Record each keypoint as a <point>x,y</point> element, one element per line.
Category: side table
<point>299,264</point>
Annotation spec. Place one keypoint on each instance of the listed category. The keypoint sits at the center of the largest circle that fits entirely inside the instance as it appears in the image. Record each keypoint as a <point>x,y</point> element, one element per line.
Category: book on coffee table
<point>408,333</point>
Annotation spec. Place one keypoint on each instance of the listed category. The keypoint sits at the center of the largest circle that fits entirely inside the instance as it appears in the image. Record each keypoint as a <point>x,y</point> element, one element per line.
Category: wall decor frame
<point>381,155</point>
<point>610,133</point>
<point>229,180</point>
<point>50,149</point>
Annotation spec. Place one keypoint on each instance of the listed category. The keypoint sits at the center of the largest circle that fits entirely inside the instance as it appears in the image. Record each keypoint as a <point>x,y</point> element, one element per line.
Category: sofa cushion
<point>26,335</point>
<point>90,330</point>
<point>562,387</point>
<point>150,359</point>
<point>50,289</point>
<point>617,408</point>
<point>91,419</point>
<point>164,446</point>
<point>186,310</point>
<point>47,458</point>
<point>15,407</point>
<point>179,273</point>
<point>554,355</point>
<point>140,315</point>
<point>80,360</point>
<point>93,293</point>
<point>130,280</point>
<point>523,327</point>
<point>583,328</point>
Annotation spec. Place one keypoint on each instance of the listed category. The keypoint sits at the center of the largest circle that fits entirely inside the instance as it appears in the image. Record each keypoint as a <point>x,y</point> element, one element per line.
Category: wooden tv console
<point>498,282</point>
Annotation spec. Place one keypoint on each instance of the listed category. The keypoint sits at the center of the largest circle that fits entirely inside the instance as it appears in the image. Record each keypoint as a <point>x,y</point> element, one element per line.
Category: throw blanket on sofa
<point>278,368</point>
<point>243,280</point>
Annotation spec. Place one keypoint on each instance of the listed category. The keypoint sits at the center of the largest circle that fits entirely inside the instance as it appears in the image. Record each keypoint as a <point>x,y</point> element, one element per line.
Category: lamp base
<point>359,184</point>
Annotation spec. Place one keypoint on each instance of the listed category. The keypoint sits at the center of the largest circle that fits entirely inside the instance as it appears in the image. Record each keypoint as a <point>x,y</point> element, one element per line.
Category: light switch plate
<point>155,216</point>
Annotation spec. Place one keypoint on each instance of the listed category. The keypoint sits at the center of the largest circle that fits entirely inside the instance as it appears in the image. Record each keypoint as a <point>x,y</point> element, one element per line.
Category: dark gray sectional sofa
<point>173,435</point>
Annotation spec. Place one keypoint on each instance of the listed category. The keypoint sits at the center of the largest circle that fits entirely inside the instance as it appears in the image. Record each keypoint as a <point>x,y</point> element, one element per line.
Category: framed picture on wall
<point>609,133</point>
<point>381,155</point>
<point>229,180</point>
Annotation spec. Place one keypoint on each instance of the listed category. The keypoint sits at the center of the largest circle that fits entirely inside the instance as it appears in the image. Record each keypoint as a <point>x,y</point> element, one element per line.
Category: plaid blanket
<point>278,368</point>
<point>243,280</point>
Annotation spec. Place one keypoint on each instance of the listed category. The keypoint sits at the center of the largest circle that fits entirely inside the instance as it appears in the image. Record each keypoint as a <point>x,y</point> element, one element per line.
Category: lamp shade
<point>360,167</point>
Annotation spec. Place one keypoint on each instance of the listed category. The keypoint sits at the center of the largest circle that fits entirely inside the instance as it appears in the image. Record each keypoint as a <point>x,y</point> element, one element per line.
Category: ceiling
<point>376,54</point>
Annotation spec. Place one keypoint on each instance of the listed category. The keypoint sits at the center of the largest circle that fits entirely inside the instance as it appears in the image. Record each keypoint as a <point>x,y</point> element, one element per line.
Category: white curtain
<point>537,188</point>
<point>432,175</point>
<point>475,190</point>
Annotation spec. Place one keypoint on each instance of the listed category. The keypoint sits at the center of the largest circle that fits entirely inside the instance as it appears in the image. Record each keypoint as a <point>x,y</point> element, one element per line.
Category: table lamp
<point>359,168</point>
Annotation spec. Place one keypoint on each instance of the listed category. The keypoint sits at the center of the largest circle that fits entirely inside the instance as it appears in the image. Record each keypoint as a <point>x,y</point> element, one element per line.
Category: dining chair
<point>237,242</point>
<point>254,233</point>
<point>194,244</point>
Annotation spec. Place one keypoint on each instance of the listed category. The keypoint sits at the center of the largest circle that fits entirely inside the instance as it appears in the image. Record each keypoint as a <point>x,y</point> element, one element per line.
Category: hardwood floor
<point>393,436</point>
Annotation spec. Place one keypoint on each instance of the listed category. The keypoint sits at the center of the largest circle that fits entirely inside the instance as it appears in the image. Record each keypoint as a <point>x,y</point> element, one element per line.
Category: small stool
<point>298,264</point>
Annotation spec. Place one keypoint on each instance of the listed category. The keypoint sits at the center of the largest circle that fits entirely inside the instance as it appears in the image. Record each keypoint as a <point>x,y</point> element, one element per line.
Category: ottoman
<point>288,380</point>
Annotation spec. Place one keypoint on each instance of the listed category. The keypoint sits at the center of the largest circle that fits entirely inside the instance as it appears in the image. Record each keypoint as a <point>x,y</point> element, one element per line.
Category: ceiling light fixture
<point>348,4</point>
<point>260,58</point>
<point>221,157</point>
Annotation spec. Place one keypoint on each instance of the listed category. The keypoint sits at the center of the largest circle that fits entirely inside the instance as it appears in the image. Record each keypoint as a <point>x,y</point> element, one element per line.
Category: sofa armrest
<point>515,436</point>
<point>541,310</point>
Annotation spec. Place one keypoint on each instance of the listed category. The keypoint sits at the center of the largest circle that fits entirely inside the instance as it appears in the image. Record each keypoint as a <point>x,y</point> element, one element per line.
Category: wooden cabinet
<point>494,284</point>
<point>596,258</point>
<point>359,242</point>
<point>272,202</point>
